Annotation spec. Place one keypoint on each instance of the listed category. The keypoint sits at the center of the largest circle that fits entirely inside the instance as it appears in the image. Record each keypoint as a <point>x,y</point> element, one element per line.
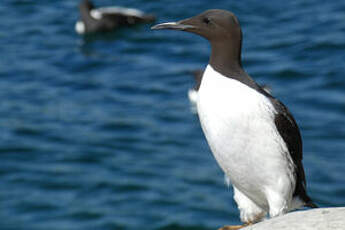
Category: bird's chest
<point>224,105</point>
<point>232,116</point>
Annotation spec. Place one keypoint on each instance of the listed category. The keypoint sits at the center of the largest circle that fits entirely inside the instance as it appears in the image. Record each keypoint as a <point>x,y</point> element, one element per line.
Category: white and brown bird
<point>106,19</point>
<point>252,135</point>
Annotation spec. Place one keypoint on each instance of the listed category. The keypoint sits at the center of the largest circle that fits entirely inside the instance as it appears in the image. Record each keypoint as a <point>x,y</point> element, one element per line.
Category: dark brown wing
<point>289,131</point>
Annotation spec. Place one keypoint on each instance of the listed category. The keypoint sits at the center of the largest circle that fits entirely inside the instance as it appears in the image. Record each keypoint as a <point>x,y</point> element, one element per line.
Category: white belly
<point>80,27</point>
<point>238,123</point>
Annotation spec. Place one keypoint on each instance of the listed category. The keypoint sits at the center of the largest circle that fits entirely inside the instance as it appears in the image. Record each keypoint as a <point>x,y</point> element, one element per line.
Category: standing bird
<point>252,135</point>
<point>108,18</point>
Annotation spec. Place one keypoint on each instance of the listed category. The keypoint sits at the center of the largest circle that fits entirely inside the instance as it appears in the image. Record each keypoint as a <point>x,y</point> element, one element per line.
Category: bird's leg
<point>235,227</point>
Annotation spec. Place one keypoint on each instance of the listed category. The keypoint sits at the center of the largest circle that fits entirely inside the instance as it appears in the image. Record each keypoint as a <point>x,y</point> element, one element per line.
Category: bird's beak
<point>184,25</point>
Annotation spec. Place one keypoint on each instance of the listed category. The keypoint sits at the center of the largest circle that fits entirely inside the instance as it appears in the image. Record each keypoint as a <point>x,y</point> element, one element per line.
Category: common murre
<point>252,135</point>
<point>193,92</point>
<point>108,18</point>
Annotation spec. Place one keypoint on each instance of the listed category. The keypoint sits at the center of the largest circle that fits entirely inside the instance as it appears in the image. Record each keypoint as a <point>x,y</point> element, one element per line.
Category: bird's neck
<point>226,58</point>
<point>85,13</point>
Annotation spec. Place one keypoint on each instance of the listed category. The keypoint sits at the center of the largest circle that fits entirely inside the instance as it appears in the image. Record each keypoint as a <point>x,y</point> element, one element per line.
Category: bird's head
<point>222,29</point>
<point>214,25</point>
<point>86,5</point>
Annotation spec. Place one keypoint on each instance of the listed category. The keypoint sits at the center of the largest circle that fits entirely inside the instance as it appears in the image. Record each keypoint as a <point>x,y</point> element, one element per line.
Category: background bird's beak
<point>180,25</point>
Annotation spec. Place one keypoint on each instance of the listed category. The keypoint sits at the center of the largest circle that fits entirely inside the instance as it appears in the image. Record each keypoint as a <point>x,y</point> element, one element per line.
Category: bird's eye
<point>206,20</point>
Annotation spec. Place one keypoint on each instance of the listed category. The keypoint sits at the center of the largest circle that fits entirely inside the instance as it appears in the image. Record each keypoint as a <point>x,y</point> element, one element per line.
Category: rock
<point>313,219</point>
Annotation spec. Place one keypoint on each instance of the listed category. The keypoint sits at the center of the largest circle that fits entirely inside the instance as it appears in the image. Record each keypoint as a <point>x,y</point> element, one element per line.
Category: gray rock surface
<point>313,219</point>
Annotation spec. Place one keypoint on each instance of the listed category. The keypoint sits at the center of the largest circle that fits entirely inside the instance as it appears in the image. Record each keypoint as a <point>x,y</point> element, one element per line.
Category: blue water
<point>97,132</point>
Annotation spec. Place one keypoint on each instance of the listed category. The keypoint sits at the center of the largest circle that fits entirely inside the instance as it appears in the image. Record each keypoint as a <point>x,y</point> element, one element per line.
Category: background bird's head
<point>86,5</point>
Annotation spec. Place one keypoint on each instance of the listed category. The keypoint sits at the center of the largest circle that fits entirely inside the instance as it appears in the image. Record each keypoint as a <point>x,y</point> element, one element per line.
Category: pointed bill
<point>172,26</point>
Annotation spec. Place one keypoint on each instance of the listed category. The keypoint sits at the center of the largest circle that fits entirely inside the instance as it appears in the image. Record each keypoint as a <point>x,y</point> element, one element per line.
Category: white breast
<point>80,27</point>
<point>238,123</point>
<point>193,97</point>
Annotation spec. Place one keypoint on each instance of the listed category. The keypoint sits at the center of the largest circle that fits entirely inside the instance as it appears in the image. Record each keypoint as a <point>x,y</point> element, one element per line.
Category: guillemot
<point>252,135</point>
<point>108,18</point>
<point>193,92</point>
